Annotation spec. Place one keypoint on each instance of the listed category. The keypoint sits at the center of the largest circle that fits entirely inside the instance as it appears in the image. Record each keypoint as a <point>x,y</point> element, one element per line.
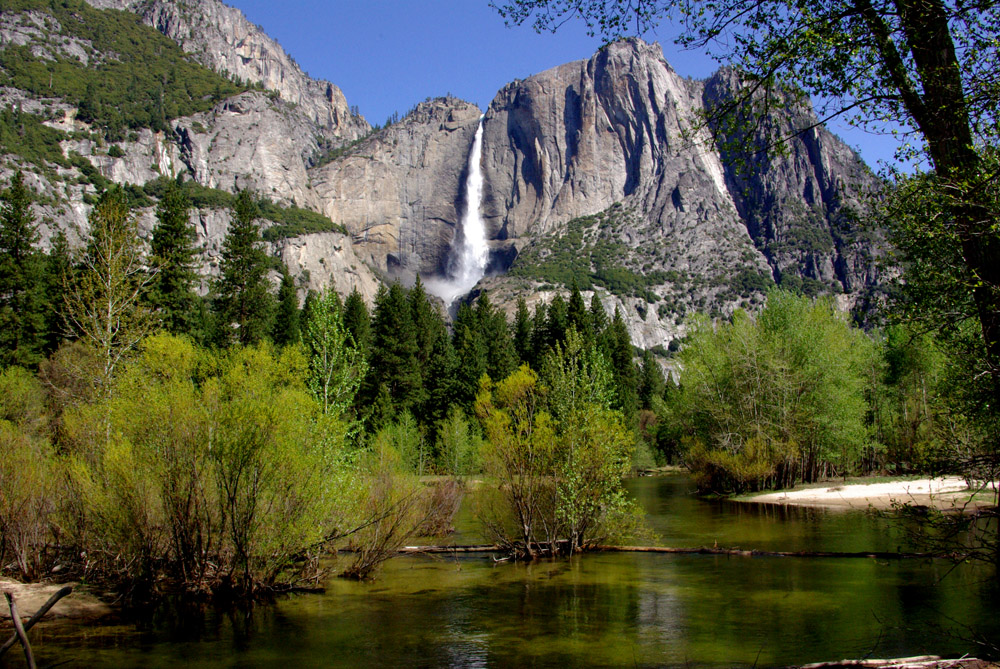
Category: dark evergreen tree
<point>617,347</point>
<point>651,381</point>
<point>59,272</point>
<point>494,332</point>
<point>393,359</point>
<point>556,323</point>
<point>357,320</point>
<point>286,319</point>
<point>539,333</point>
<point>243,304</point>
<point>470,351</point>
<point>577,315</point>
<point>598,317</point>
<point>444,387</point>
<point>307,304</point>
<point>22,298</point>
<point>522,332</point>
<point>171,291</point>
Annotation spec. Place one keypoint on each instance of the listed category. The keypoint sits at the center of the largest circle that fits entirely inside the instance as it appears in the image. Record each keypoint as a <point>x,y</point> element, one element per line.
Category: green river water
<point>624,609</point>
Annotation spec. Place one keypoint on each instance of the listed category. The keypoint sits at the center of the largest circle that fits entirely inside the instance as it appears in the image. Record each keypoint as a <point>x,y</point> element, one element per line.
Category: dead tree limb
<point>59,594</point>
<point>19,631</point>
<point>738,552</point>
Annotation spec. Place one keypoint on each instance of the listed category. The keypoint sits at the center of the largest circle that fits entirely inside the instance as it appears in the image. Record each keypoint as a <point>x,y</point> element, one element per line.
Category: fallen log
<point>42,610</point>
<point>877,555</point>
<point>702,550</point>
<point>918,662</point>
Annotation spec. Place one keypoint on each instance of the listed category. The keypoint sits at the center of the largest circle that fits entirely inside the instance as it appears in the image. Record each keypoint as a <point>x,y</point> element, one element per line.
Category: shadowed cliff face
<point>624,127</point>
<point>619,134</point>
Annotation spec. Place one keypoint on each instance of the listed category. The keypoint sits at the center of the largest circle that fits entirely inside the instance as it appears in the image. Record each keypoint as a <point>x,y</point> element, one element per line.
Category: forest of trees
<point>228,442</point>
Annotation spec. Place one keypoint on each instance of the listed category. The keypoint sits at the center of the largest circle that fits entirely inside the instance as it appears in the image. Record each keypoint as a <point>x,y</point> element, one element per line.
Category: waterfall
<point>469,252</point>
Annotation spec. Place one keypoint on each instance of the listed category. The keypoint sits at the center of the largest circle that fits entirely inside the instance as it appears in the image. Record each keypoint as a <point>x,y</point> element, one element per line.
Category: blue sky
<point>388,55</point>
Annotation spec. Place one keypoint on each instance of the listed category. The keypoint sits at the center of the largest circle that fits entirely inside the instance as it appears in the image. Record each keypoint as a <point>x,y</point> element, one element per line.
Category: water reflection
<point>598,610</point>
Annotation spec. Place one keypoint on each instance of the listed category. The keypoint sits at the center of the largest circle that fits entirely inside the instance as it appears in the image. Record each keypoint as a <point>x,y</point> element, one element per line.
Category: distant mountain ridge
<point>596,172</point>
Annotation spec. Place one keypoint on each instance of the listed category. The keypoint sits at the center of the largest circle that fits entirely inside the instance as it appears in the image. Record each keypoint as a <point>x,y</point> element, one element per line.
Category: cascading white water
<point>469,252</point>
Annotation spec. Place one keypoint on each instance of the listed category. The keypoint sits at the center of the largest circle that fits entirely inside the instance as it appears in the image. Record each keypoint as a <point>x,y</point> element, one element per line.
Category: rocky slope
<point>600,172</point>
<point>222,38</point>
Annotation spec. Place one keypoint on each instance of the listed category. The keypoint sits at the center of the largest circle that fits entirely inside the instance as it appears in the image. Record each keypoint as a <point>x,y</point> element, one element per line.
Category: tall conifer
<point>22,320</point>
<point>243,304</point>
<point>171,292</point>
<point>286,319</point>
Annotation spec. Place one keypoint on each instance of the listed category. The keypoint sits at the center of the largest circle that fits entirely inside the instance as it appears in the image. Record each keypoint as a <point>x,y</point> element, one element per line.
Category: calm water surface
<point>596,610</point>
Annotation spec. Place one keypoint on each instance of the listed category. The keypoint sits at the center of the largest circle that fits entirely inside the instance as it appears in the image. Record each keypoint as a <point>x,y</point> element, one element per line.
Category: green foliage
<point>393,359</point>
<point>586,253</point>
<point>221,471</point>
<point>295,221</point>
<point>24,135</point>
<point>558,478</point>
<point>137,77</point>
<point>336,364</point>
<point>171,291</point>
<point>774,400</point>
<point>458,444</point>
<point>22,302</point>
<point>243,301</point>
<point>105,303</point>
<point>286,319</point>
<point>29,476</point>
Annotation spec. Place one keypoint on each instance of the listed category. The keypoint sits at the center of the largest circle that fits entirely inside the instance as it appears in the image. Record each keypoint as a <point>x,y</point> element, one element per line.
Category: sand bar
<point>945,493</point>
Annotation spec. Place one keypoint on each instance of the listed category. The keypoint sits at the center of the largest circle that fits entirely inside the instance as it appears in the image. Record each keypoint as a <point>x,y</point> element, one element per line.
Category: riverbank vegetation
<point>226,445</point>
<point>153,439</point>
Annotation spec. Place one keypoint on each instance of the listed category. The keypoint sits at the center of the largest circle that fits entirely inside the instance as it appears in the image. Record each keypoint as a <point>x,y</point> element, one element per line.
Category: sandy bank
<point>945,493</point>
<point>80,605</point>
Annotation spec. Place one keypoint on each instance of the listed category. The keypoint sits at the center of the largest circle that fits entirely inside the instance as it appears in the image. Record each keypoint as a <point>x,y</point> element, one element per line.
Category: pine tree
<point>470,350</point>
<point>358,321</point>
<point>539,333</point>
<point>617,347</point>
<point>428,327</point>
<point>171,292</point>
<point>22,316</point>
<point>501,358</point>
<point>577,316</point>
<point>556,323</point>
<point>651,381</point>
<point>243,304</point>
<point>58,277</point>
<point>522,332</point>
<point>286,319</point>
<point>393,358</point>
<point>444,388</point>
<point>598,317</point>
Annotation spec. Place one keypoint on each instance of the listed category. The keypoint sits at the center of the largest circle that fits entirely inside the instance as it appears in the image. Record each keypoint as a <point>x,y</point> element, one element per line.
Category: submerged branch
<point>877,555</point>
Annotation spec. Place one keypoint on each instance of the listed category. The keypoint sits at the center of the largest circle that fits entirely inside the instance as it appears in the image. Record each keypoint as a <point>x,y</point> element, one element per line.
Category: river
<point>627,609</point>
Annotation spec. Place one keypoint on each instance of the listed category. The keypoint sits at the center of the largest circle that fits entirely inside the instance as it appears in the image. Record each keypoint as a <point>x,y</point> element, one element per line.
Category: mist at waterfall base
<point>469,252</point>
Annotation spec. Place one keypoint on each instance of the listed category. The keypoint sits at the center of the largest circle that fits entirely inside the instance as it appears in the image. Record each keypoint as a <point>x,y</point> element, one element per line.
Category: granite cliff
<point>601,172</point>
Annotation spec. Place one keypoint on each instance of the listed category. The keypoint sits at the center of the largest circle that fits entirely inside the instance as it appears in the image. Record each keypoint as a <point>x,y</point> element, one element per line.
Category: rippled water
<point>597,610</point>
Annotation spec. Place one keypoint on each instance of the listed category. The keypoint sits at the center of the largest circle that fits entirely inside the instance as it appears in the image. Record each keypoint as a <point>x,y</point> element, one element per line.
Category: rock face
<point>600,169</point>
<point>251,141</point>
<point>800,208</point>
<point>399,192</point>
<point>221,37</point>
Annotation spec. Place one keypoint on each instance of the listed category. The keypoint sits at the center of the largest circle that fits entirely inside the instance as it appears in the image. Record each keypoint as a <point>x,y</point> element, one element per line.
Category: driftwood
<point>19,631</point>
<point>738,552</point>
<point>918,662</point>
<point>43,609</point>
